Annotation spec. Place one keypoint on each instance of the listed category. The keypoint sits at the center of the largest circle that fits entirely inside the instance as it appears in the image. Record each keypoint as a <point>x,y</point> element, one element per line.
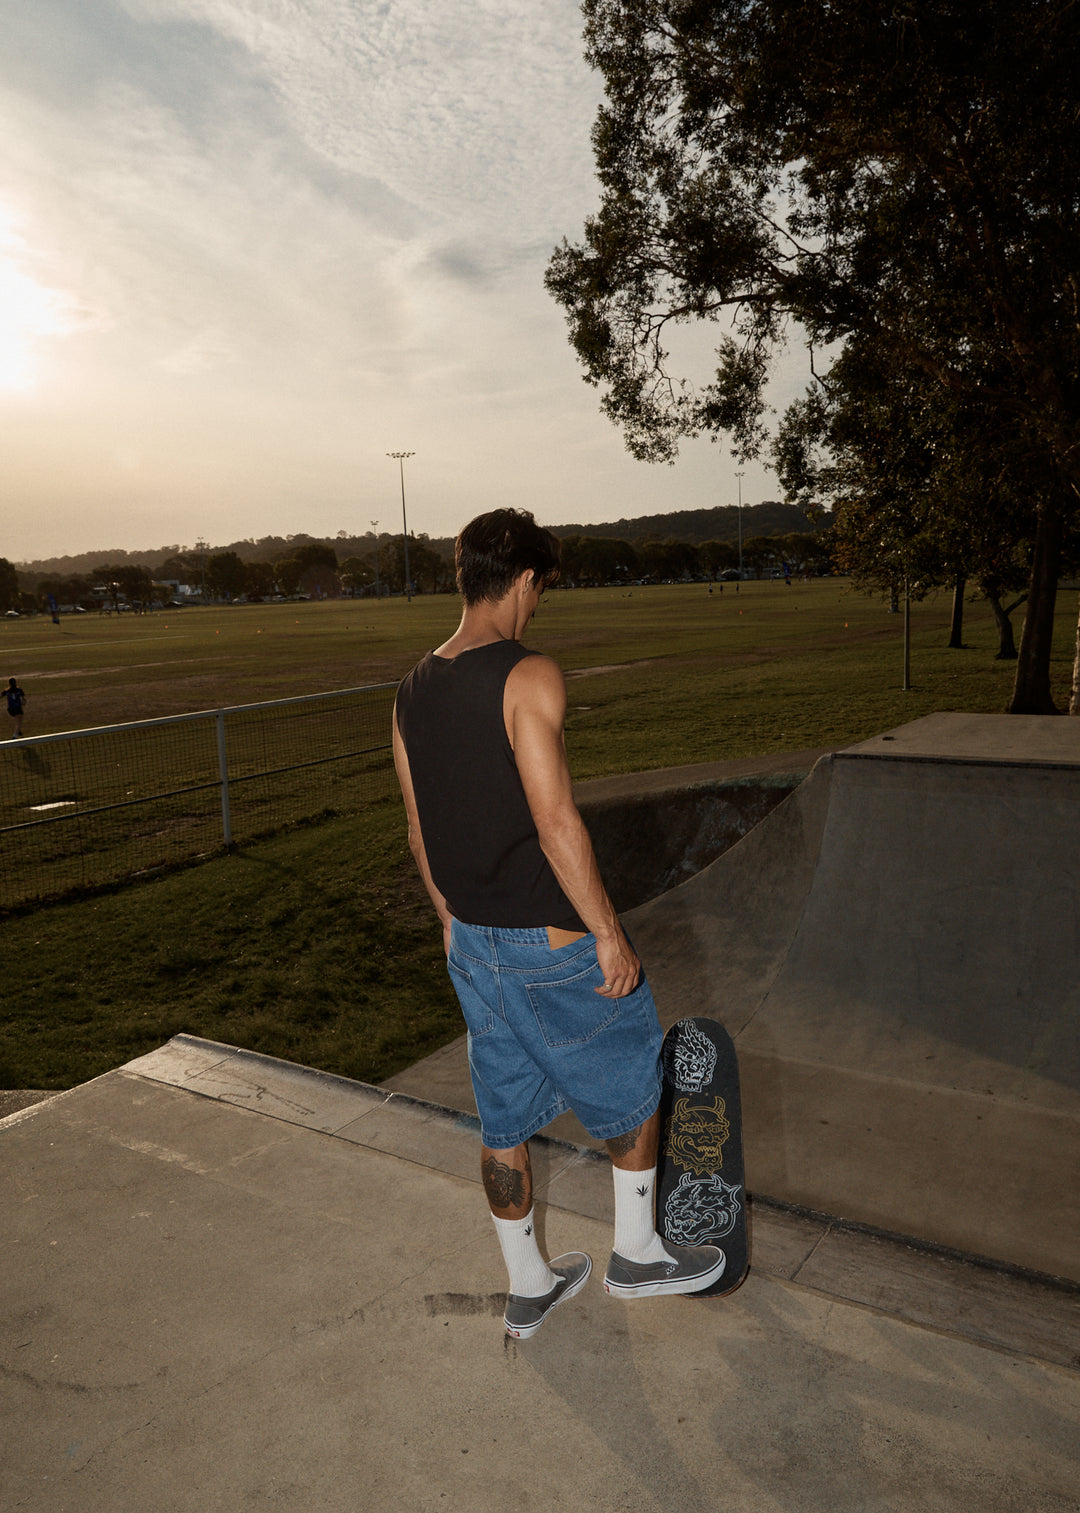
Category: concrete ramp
<point>896,950</point>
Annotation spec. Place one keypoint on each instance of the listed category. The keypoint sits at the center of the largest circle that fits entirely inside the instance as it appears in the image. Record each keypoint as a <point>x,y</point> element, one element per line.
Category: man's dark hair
<point>496,548</point>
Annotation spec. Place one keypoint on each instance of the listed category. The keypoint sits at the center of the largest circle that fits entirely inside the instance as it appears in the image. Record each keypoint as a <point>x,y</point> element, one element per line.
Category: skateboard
<point>700,1191</point>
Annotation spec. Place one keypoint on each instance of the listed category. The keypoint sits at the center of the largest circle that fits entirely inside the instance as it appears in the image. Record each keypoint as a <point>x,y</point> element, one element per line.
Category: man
<point>557,1008</point>
<point>16,702</point>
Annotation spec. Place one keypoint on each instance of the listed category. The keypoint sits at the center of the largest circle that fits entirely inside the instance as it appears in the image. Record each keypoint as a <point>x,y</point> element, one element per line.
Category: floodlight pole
<point>739,476</point>
<point>375,528</point>
<point>401,456</point>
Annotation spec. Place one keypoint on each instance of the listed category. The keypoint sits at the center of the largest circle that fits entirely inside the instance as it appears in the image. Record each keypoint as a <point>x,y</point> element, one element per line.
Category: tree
<point>287,574</point>
<point>226,575</point>
<point>803,551</point>
<point>9,586</point>
<point>673,560</point>
<point>717,557</point>
<point>594,560</point>
<point>905,176</point>
<point>69,589</point>
<point>126,580</point>
<point>358,574</point>
<point>761,553</point>
<point>182,567</point>
<point>308,568</point>
<point>427,566</point>
<point>258,580</point>
<point>316,554</point>
<point>926,487</point>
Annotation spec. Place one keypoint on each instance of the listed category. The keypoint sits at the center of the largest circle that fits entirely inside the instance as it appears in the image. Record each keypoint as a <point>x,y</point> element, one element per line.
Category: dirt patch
<point>101,672</point>
<point>592,672</point>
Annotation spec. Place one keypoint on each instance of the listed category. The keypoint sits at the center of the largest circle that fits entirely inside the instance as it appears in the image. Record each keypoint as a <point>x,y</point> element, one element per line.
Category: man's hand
<point>620,966</point>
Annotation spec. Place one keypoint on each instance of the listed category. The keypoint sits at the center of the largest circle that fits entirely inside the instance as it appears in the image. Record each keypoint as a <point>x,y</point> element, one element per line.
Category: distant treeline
<point>770,518</point>
<point>288,568</point>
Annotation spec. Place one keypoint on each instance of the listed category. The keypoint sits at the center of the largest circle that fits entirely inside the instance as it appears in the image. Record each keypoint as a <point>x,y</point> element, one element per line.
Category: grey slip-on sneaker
<point>524,1316</point>
<point>690,1269</point>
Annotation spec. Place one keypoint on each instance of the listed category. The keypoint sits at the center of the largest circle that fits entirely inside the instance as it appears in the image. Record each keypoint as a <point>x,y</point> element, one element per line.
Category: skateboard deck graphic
<point>700,1191</point>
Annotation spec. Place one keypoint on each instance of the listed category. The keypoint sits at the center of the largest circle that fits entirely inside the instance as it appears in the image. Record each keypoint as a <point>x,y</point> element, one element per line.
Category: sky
<point>250,247</point>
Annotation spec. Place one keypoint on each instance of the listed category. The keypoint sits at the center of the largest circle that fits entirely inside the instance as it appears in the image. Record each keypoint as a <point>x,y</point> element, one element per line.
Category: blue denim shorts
<point>541,1040</point>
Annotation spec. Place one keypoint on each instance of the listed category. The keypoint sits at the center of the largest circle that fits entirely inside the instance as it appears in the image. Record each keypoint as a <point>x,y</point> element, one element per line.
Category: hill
<point>770,518</point>
<point>87,562</point>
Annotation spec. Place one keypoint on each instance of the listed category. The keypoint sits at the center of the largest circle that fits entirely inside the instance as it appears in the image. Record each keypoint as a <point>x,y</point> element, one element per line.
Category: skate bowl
<point>652,831</point>
<point>895,951</point>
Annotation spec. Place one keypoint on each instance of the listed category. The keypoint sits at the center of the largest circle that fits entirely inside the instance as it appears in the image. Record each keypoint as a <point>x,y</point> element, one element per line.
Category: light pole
<point>739,476</point>
<point>375,528</point>
<point>401,456</point>
<point>200,547</point>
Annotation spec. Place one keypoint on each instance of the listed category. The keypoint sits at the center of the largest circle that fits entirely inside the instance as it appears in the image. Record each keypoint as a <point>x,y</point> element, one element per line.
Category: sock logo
<point>642,1192</point>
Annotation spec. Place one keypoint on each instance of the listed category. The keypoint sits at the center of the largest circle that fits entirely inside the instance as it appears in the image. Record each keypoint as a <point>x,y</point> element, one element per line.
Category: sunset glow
<point>263,255</point>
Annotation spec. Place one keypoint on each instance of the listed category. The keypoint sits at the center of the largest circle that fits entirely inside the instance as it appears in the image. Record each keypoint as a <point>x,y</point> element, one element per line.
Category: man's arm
<point>535,710</point>
<point>416,839</point>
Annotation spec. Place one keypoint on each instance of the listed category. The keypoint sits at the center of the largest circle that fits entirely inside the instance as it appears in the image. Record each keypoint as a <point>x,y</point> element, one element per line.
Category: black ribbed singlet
<point>479,835</point>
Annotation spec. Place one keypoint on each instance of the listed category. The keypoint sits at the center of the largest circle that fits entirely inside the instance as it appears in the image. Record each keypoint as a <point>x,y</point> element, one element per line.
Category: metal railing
<point>87,807</point>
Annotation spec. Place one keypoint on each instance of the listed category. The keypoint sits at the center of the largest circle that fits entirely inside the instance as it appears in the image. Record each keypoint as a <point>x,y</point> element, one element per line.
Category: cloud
<point>440,103</point>
<point>304,180</point>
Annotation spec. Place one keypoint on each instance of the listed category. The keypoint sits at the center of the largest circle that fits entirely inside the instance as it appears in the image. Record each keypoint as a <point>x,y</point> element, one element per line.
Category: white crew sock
<point>530,1276</point>
<point>635,1230</point>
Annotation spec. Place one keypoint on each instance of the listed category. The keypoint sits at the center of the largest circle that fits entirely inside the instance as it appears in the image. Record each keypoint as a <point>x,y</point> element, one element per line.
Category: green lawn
<point>715,654</point>
<point>318,944</point>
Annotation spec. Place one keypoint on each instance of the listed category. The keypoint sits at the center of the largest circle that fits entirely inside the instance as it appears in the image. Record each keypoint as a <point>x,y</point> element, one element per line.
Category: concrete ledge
<point>13,1102</point>
<point>1000,1307</point>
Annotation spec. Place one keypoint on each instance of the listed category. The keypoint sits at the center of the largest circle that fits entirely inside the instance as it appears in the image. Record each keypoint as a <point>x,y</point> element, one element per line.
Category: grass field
<point>318,944</point>
<point>657,675</point>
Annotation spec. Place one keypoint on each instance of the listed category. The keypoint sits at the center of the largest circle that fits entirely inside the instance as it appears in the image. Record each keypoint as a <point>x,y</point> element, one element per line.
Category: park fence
<point>90,807</point>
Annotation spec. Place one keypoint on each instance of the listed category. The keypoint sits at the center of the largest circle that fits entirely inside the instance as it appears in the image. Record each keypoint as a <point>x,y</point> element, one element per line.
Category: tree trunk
<point>1031,691</point>
<point>956,633</point>
<point>1074,702</point>
<point>1006,640</point>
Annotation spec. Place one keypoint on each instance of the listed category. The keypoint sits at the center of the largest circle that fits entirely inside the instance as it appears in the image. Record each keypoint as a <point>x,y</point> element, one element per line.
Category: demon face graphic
<point>701,1210</point>
<point>689,1057</point>
<point>696,1135</point>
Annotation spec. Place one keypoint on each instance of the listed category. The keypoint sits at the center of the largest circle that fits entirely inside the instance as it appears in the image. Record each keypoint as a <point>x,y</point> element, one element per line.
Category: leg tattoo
<point>504,1186</point>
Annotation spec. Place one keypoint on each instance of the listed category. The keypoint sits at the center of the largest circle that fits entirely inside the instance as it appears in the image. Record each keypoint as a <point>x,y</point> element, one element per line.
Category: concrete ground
<point>231,1283</point>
